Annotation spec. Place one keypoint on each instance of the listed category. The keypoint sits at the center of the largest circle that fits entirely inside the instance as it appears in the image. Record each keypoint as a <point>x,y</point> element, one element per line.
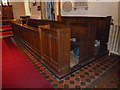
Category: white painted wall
<point>18,9</point>
<point>95,9</point>
<point>37,14</point>
<point>34,12</point>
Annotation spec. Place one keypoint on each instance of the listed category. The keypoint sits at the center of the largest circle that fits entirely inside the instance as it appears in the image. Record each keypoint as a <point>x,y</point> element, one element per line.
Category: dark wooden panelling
<point>7,11</point>
<point>102,24</point>
<point>7,15</point>
<point>55,49</point>
<point>50,43</point>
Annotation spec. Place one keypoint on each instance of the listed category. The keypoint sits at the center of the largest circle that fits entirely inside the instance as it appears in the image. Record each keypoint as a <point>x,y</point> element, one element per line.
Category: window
<point>5,2</point>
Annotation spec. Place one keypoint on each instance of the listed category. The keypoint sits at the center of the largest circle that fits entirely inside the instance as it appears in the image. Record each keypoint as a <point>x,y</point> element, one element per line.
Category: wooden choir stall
<point>64,46</point>
<point>7,15</point>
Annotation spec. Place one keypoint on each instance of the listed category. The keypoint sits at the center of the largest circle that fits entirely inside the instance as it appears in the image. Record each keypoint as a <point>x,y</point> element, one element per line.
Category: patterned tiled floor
<point>79,79</point>
<point>111,81</point>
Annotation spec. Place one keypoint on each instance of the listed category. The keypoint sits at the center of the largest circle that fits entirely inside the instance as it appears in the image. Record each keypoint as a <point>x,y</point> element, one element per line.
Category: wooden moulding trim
<point>31,48</point>
<point>28,27</point>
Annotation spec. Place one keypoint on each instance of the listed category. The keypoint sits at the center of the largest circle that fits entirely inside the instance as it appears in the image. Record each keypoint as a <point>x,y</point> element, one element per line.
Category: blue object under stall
<point>76,51</point>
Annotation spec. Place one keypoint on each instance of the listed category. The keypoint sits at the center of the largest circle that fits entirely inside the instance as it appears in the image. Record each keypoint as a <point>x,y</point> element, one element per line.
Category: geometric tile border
<point>80,78</point>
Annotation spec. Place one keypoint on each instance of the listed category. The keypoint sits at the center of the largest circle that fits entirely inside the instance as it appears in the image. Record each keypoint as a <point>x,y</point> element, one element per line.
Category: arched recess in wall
<point>50,9</point>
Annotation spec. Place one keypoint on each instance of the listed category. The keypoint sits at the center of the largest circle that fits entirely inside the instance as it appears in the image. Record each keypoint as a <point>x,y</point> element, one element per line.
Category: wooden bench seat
<point>49,41</point>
